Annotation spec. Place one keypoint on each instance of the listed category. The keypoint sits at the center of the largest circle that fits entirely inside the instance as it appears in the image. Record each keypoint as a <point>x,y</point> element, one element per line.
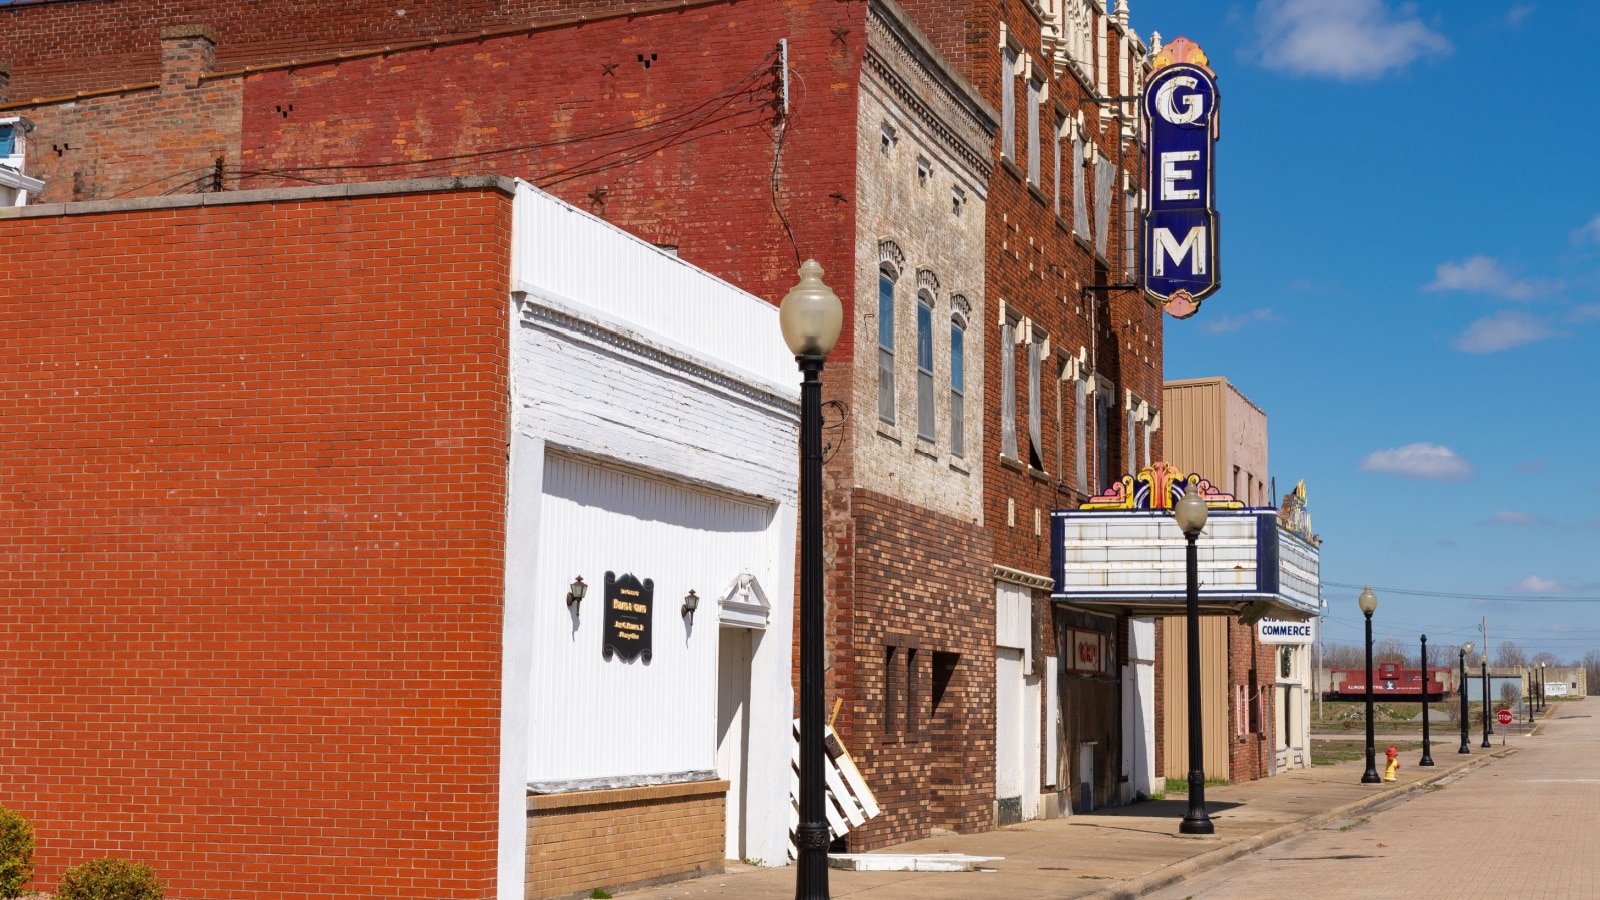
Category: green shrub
<point>16,853</point>
<point>112,878</point>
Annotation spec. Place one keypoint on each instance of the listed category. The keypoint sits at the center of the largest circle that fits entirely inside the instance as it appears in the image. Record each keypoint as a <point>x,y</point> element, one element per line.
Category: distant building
<point>1257,686</point>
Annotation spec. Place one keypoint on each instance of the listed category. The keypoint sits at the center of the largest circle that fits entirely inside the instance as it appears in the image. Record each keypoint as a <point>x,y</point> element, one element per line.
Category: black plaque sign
<point>627,628</point>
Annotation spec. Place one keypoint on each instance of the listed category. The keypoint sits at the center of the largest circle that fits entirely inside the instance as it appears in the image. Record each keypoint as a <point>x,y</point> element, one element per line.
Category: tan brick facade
<point>610,838</point>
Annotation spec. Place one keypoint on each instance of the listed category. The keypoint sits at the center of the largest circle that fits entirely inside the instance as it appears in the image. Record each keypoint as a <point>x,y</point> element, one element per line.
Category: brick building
<point>301,482</point>
<point>675,129</point>
<point>1258,702</point>
<point>1075,365</point>
<point>997,367</point>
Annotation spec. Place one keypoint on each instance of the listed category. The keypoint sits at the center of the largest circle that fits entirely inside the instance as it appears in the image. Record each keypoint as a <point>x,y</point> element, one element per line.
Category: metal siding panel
<point>567,252</point>
<point>1214,693</point>
<point>639,718</point>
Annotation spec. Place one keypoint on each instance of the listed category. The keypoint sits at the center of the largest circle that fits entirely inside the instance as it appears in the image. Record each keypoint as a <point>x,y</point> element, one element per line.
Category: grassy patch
<point>1329,753</point>
<point>1181,785</point>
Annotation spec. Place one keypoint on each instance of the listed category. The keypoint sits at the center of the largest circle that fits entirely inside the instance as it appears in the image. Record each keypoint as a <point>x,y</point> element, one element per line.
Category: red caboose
<point>1390,680</point>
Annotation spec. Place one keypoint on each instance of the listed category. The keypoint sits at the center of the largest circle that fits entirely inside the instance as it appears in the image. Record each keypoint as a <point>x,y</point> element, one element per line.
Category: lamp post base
<point>1196,820</point>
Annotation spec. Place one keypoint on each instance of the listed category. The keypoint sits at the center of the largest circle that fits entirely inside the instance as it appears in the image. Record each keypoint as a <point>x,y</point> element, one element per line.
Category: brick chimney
<point>187,52</point>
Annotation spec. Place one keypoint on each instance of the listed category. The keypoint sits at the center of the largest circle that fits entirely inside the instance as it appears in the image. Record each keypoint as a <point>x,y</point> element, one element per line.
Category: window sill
<point>1010,463</point>
<point>1038,474</point>
<point>961,467</point>
<point>925,448</point>
<point>1037,194</point>
<point>888,430</point>
<point>1009,166</point>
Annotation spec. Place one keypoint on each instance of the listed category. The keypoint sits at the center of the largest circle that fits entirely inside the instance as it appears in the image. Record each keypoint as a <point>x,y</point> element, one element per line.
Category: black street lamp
<point>1369,605</point>
<point>1427,746</point>
<point>810,317</point>
<point>1541,686</point>
<point>1465,720</point>
<point>1191,515</point>
<point>1483,660</point>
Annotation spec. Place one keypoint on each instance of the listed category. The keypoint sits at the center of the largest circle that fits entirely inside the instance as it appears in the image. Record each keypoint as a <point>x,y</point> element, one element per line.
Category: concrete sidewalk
<point>1114,853</point>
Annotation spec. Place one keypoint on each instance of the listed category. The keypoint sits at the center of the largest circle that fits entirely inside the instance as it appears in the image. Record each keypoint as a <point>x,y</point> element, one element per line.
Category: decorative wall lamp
<point>691,602</point>
<point>575,593</point>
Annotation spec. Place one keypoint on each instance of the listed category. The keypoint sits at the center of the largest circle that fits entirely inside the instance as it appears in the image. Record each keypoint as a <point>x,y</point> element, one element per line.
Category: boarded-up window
<point>1008,103</point>
<point>1105,173</point>
<point>1008,389</point>
<point>1035,93</point>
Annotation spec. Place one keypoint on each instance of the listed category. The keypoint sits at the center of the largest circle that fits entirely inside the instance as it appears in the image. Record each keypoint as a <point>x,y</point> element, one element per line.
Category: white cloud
<point>1586,313</point>
<point>1503,331</point>
<point>1516,14</point>
<point>1511,517</point>
<point>1533,584</point>
<point>1224,324</point>
<point>1482,275</point>
<point>1430,461</point>
<point>1589,233</point>
<point>1345,39</point>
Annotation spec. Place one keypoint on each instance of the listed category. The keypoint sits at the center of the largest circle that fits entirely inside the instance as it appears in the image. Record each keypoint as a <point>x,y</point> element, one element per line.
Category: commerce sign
<point>1181,252</point>
<point>1273,631</point>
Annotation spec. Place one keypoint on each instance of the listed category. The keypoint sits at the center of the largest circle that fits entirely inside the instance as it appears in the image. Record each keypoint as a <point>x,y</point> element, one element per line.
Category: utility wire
<point>1448,595</point>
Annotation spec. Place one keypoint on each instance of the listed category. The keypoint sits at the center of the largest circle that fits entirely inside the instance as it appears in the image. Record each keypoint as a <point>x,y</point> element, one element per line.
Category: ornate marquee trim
<point>1156,487</point>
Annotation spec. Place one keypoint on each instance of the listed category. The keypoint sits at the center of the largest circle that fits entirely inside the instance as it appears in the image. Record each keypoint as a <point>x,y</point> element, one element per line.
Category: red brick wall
<point>63,46</point>
<point>570,96</point>
<point>922,583</point>
<point>1249,752</point>
<point>141,143</point>
<point>253,477</point>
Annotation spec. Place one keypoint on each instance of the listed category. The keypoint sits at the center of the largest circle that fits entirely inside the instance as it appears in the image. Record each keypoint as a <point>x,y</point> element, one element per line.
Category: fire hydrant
<point>1393,766</point>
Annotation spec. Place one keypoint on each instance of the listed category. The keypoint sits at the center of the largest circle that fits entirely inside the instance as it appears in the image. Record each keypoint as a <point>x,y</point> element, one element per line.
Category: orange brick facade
<point>625,836</point>
<point>255,470</point>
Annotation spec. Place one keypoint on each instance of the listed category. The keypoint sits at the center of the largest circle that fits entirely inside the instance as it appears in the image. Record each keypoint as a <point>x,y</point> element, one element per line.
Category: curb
<point>1194,865</point>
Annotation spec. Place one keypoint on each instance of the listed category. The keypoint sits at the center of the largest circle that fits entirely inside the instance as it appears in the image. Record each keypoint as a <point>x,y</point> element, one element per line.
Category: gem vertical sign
<point>1181,238</point>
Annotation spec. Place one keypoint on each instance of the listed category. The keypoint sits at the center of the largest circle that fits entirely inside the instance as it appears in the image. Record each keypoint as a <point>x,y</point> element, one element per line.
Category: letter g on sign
<point>1193,104</point>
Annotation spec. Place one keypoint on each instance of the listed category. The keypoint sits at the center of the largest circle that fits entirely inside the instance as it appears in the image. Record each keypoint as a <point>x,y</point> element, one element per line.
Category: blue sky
<point>1410,197</point>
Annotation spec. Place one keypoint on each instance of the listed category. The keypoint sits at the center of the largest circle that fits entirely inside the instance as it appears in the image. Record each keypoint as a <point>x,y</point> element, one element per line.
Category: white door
<point>733,732</point>
<point>1031,746</point>
<point>1008,707</point>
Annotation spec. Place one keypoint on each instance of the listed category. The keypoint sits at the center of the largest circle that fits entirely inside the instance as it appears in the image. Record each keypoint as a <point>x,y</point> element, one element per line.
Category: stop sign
<point>1504,716</point>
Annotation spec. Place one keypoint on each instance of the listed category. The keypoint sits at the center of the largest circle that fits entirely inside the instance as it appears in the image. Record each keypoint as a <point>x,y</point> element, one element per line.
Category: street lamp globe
<point>1368,601</point>
<point>810,314</point>
<point>1190,511</point>
<point>1467,648</point>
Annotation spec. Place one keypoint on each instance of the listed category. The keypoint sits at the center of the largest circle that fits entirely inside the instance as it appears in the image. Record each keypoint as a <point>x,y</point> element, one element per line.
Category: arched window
<point>958,379</point>
<point>925,366</point>
<point>886,343</point>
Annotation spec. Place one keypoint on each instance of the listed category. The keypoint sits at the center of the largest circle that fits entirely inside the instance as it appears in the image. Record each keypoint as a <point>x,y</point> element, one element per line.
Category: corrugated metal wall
<point>1212,428</point>
<point>1192,419</point>
<point>1213,695</point>
<point>568,253</point>
<point>594,718</point>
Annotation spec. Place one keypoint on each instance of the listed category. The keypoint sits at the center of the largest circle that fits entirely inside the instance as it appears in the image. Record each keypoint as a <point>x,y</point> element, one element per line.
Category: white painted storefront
<point>655,416</point>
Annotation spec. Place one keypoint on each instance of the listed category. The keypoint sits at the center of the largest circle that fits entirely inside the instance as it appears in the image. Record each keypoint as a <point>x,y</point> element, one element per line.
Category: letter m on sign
<point>1181,253</point>
<point>1192,248</point>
